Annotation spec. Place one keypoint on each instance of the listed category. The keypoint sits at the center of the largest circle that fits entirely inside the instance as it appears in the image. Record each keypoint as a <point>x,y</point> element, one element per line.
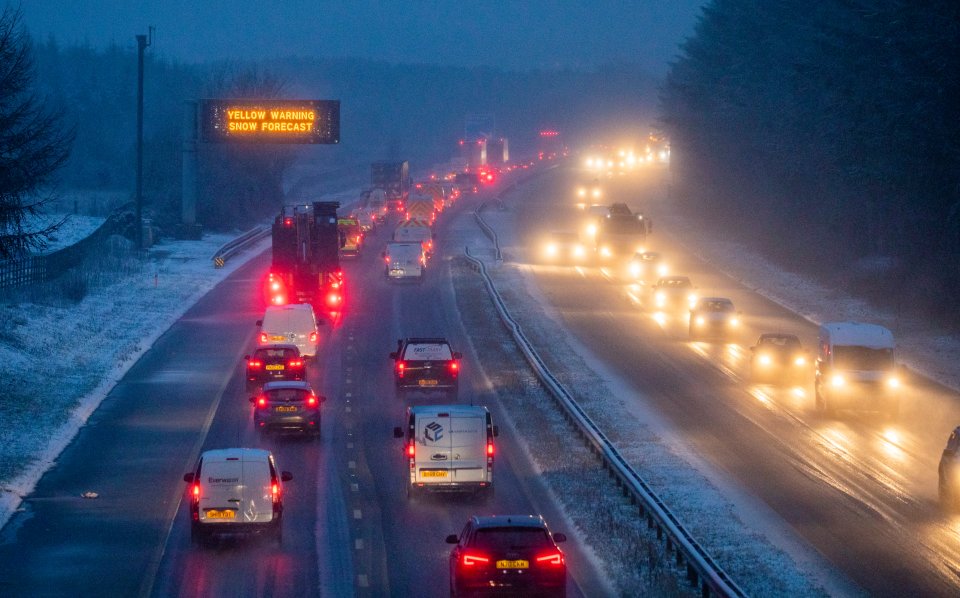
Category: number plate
<point>275,367</point>
<point>221,514</point>
<point>433,474</point>
<point>513,564</point>
<point>285,409</point>
<point>428,383</point>
<point>277,338</point>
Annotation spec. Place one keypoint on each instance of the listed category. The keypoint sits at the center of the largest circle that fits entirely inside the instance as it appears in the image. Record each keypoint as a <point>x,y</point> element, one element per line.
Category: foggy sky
<point>509,34</point>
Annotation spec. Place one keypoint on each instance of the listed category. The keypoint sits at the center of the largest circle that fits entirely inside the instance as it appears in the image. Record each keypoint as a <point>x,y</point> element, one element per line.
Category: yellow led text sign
<point>271,121</point>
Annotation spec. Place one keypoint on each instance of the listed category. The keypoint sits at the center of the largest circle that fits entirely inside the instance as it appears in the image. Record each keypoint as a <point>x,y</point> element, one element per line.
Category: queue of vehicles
<point>448,448</point>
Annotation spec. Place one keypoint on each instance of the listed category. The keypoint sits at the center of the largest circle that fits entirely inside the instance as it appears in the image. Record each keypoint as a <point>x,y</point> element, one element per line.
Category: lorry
<point>415,230</point>
<point>393,176</point>
<point>305,265</point>
<point>421,206</point>
<point>621,233</point>
<point>498,152</point>
<point>351,236</point>
<point>856,368</point>
<point>449,448</point>
<point>474,152</point>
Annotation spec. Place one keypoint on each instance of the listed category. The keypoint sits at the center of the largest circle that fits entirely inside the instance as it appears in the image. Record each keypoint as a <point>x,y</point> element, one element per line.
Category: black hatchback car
<point>426,365</point>
<point>287,406</point>
<point>507,553</point>
<point>270,363</point>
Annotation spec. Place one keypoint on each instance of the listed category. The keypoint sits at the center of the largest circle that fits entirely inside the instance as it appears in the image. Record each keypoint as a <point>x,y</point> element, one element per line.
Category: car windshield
<point>862,358</point>
<point>498,539</point>
<point>716,306</point>
<point>623,225</point>
<point>780,342</point>
<point>675,283</point>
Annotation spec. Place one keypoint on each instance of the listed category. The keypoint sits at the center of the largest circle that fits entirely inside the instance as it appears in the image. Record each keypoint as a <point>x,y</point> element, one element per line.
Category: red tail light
<point>454,367</point>
<point>288,222</point>
<point>473,560</point>
<point>412,449</point>
<point>196,493</point>
<point>262,402</point>
<point>312,401</point>
<point>263,338</point>
<point>275,491</point>
<point>313,337</point>
<point>401,366</point>
<point>489,449</point>
<point>333,299</point>
<point>294,364</point>
<point>554,559</point>
<point>254,364</point>
<point>387,258</point>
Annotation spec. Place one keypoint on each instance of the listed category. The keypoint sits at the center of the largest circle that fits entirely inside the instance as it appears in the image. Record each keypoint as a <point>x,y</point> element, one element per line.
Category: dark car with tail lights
<point>290,406</point>
<point>271,363</point>
<point>426,365</point>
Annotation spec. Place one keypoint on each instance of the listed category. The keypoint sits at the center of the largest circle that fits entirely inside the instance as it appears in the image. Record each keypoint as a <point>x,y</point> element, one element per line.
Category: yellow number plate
<point>428,383</point>
<point>433,474</point>
<point>513,564</point>
<point>285,409</point>
<point>275,367</point>
<point>277,338</point>
<point>224,514</point>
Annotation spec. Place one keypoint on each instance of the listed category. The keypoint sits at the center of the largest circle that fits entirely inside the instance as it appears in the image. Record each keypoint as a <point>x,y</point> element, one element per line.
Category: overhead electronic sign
<point>270,121</point>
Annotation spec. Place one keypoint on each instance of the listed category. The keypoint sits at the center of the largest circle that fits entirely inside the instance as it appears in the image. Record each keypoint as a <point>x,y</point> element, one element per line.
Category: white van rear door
<point>257,492</point>
<point>221,491</point>
<point>433,450</point>
<point>468,446</point>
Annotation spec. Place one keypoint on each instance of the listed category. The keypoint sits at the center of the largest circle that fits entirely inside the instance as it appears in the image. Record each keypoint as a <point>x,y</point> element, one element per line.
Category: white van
<point>856,368</point>
<point>449,448</point>
<point>293,324</point>
<point>235,490</point>
<point>404,261</point>
<point>415,230</point>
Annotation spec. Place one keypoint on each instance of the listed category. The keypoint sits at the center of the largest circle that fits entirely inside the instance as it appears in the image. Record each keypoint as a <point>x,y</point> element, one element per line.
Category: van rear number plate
<point>285,408</point>
<point>428,383</point>
<point>221,514</point>
<point>277,338</point>
<point>433,474</point>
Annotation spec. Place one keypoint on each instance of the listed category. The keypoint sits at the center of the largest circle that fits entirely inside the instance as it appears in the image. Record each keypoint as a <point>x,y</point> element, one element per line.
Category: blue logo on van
<point>433,431</point>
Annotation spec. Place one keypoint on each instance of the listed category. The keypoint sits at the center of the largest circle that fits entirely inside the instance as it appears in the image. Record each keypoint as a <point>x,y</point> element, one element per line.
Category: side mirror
<point>259,322</point>
<point>496,431</point>
<point>188,478</point>
<point>457,355</point>
<point>285,476</point>
<point>452,539</point>
<point>398,432</point>
<point>559,538</point>
<point>393,355</point>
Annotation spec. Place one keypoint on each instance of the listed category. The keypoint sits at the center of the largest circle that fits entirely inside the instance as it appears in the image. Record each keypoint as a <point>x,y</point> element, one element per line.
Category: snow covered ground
<point>74,228</point>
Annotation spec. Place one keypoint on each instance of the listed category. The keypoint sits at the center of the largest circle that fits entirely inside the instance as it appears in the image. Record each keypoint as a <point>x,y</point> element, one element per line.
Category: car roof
<point>426,340</point>
<point>290,307</point>
<point>509,521</point>
<point>857,334</point>
<point>242,454</point>
<point>287,384</point>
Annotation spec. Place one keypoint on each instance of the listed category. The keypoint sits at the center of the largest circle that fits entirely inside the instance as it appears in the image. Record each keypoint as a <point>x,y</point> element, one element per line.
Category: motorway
<point>860,488</point>
<point>348,527</point>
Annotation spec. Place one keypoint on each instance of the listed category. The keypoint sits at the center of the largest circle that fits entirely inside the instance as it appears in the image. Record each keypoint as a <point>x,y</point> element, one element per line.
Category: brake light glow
<point>454,367</point>
<point>275,491</point>
<point>295,363</point>
<point>263,338</point>
<point>489,449</point>
<point>411,449</point>
<point>262,402</point>
<point>312,401</point>
<point>313,337</point>
<point>254,364</point>
<point>401,366</point>
<point>472,560</point>
<point>553,558</point>
<point>333,299</point>
<point>288,222</point>
<point>196,492</point>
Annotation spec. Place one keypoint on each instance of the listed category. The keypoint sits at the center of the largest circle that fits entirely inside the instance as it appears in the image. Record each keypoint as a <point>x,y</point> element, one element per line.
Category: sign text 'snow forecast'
<point>270,121</point>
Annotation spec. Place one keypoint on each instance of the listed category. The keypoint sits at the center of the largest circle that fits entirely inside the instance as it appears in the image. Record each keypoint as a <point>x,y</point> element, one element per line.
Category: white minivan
<point>404,261</point>
<point>449,448</point>
<point>293,324</point>
<point>856,368</point>
<point>235,490</point>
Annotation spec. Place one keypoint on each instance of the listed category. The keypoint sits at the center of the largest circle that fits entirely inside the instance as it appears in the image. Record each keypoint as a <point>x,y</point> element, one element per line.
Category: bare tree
<point>34,143</point>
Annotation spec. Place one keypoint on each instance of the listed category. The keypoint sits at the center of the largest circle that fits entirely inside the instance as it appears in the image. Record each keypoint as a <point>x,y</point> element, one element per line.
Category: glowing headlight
<point>551,249</point>
<point>800,361</point>
<point>837,380</point>
<point>700,320</point>
<point>596,193</point>
<point>764,360</point>
<point>692,299</point>
<point>591,229</point>
<point>893,382</point>
<point>605,251</point>
<point>578,250</point>
<point>660,298</point>
<point>662,269</point>
<point>582,192</point>
<point>734,321</point>
<point>634,269</point>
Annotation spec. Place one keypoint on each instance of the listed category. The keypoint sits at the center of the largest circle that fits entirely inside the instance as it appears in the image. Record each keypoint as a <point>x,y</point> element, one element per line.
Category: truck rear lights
<point>412,450</point>
<point>313,338</point>
<point>263,338</point>
<point>489,449</point>
<point>554,559</point>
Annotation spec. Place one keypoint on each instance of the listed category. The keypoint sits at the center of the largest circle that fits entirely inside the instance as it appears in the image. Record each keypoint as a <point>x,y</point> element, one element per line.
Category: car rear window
<point>509,538</point>
<point>427,352</point>
<point>280,354</point>
<point>287,394</point>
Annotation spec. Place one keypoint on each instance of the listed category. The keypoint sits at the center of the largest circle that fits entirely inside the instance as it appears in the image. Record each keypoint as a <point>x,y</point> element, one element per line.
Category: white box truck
<point>856,368</point>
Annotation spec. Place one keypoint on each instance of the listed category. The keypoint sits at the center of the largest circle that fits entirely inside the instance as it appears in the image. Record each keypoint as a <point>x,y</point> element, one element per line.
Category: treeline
<point>827,134</point>
<point>415,112</point>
